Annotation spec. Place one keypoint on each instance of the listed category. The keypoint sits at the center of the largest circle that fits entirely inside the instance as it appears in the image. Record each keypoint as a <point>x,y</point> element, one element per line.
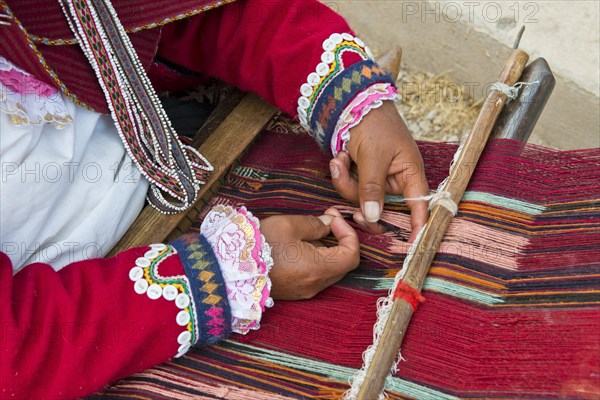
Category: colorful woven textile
<point>512,304</point>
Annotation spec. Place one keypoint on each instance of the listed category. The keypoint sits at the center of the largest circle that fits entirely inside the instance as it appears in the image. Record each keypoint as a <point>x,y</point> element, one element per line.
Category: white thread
<point>442,198</point>
<point>511,91</point>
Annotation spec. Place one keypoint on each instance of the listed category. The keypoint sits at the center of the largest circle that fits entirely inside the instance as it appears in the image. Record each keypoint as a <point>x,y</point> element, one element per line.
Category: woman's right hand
<point>303,266</point>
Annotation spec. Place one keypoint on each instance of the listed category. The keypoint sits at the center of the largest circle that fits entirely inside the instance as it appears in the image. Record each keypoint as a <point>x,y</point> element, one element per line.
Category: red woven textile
<point>513,295</point>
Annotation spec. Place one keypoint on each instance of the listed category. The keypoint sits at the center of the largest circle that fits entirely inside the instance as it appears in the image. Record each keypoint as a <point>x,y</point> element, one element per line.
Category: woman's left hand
<point>388,161</point>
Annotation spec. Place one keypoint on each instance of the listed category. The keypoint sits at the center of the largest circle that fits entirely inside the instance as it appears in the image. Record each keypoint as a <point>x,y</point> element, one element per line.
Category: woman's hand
<point>302,266</point>
<point>388,161</point>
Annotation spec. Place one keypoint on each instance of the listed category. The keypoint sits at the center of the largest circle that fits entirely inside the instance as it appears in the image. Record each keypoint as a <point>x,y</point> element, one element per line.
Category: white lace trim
<point>30,106</point>
<point>245,261</point>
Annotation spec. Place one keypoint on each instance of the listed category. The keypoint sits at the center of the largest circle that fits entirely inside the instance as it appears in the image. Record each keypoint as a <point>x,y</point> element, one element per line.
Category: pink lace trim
<point>29,101</point>
<point>21,83</point>
<point>355,111</point>
<point>245,260</point>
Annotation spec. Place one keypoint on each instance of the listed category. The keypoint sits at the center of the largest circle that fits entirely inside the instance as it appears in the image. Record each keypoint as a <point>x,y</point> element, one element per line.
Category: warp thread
<point>511,91</point>
<point>384,305</point>
<point>384,309</point>
<point>409,294</point>
<point>442,198</point>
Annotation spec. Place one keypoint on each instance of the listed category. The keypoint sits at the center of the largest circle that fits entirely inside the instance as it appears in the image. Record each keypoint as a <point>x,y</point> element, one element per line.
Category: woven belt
<point>175,171</point>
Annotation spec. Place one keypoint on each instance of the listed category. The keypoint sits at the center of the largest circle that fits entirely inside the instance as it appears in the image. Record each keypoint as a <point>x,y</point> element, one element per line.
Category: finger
<point>419,209</point>
<point>309,227</point>
<point>341,178</point>
<point>373,167</point>
<point>334,212</point>
<point>346,255</point>
<point>345,158</point>
<point>372,227</point>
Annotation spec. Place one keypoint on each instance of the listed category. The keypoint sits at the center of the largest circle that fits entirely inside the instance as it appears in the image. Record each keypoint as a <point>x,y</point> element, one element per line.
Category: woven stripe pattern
<point>513,295</point>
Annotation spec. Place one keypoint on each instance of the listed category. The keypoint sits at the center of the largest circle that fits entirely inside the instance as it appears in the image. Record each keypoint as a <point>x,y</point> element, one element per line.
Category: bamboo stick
<point>391,60</point>
<point>401,311</point>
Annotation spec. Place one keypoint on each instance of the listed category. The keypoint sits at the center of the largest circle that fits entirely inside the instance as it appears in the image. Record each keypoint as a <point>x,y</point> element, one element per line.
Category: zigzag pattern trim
<point>208,288</point>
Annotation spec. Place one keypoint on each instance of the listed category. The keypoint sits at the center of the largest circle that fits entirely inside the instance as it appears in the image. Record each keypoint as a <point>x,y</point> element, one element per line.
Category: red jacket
<point>68,333</point>
<point>270,47</point>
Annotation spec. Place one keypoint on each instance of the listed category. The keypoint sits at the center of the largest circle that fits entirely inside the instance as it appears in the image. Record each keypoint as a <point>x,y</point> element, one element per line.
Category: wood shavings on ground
<point>435,107</point>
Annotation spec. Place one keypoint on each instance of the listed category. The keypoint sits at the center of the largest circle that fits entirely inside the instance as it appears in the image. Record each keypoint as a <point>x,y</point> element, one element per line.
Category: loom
<point>512,305</point>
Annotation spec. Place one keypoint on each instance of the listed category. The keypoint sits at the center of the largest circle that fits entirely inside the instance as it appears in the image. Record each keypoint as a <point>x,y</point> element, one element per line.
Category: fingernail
<point>372,211</point>
<point>342,155</point>
<point>335,171</point>
<point>326,219</point>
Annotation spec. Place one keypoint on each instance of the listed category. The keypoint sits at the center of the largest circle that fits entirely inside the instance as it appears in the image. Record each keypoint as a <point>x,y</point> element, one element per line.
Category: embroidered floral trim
<point>331,65</point>
<point>346,69</point>
<point>29,101</point>
<point>245,260</point>
<point>147,280</point>
<point>356,110</point>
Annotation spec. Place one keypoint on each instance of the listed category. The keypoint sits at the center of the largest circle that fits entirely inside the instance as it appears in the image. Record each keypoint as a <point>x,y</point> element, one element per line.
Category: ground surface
<point>437,108</point>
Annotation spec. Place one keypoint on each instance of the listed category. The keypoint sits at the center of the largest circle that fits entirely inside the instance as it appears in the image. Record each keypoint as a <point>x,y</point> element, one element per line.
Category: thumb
<point>346,255</point>
<point>372,174</point>
<point>309,227</point>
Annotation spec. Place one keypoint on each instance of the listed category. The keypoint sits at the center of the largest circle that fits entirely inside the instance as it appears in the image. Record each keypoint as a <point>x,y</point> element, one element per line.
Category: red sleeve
<point>272,48</point>
<point>66,334</point>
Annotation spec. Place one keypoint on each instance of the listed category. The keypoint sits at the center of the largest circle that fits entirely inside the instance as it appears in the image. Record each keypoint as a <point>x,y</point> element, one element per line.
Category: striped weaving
<point>512,304</point>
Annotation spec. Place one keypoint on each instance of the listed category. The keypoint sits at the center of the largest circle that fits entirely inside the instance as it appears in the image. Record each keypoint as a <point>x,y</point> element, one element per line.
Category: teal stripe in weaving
<point>338,373</point>
<point>442,286</point>
<point>500,201</point>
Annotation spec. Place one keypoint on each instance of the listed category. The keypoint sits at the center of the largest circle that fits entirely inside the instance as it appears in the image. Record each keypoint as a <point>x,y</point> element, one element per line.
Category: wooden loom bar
<point>232,135</point>
<point>518,118</point>
<point>434,231</point>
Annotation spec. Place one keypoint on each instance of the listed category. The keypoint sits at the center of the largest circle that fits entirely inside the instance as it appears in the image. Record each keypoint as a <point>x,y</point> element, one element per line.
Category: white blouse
<point>68,190</point>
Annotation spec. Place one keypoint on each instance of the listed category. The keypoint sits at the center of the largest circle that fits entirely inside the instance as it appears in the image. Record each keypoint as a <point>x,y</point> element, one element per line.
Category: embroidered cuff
<point>355,111</point>
<point>207,287</point>
<point>29,101</point>
<point>147,280</point>
<point>245,260</point>
<point>346,69</point>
